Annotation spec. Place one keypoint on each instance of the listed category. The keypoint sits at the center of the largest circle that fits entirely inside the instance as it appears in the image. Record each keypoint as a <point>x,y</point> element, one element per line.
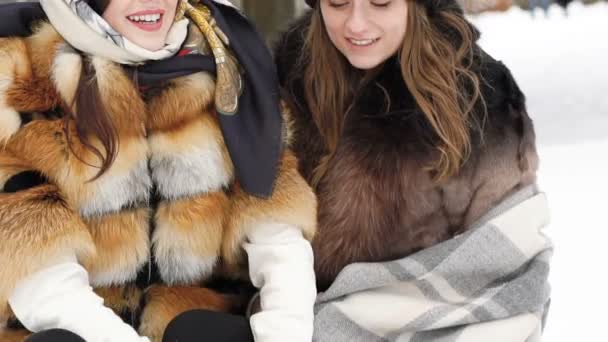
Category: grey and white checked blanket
<point>488,284</point>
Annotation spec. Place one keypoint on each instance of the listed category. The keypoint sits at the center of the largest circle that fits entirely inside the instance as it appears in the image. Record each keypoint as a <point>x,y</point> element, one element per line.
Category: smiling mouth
<point>362,42</point>
<point>150,20</point>
<point>145,19</point>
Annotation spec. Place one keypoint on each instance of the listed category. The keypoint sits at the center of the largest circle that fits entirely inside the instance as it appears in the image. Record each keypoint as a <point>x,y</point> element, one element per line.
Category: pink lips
<point>150,27</point>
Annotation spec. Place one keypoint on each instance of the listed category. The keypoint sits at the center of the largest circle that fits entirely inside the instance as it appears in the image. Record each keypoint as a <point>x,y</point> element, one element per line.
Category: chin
<point>364,63</point>
<point>146,40</point>
<point>150,45</point>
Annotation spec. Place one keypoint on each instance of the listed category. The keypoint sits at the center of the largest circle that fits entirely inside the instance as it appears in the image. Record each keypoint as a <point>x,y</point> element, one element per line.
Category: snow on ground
<point>561,63</point>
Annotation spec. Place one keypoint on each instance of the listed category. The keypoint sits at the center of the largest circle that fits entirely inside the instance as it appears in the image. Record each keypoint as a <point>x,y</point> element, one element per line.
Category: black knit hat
<point>432,6</point>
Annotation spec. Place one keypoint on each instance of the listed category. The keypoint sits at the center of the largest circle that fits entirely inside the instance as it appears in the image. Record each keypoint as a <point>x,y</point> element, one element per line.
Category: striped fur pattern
<point>191,167</point>
<point>169,142</point>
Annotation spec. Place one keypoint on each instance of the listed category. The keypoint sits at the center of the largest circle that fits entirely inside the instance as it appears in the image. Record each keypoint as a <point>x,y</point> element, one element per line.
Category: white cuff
<point>281,265</point>
<point>61,297</point>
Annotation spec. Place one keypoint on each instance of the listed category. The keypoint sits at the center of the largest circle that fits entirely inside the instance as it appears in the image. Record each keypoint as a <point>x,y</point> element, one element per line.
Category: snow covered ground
<point>561,63</point>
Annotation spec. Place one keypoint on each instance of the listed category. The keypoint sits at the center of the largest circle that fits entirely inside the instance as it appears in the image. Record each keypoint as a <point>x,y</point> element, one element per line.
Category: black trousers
<point>191,326</point>
<point>198,325</point>
<point>55,335</point>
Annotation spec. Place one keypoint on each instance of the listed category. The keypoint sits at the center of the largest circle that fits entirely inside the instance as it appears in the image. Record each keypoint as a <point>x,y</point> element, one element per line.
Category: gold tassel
<point>228,80</point>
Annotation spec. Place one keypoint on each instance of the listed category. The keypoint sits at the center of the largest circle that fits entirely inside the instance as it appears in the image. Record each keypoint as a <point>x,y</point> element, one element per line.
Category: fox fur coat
<point>51,204</point>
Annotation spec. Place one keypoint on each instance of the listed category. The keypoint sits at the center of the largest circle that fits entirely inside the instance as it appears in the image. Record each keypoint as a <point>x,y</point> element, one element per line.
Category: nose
<point>357,22</point>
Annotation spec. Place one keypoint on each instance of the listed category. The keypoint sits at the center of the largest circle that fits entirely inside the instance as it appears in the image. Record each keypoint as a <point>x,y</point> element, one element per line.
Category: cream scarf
<point>87,31</point>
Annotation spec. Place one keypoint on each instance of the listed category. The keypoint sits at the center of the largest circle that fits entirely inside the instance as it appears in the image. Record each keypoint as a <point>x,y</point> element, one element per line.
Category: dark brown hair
<point>99,5</point>
<point>92,121</point>
<point>436,64</point>
<point>89,116</point>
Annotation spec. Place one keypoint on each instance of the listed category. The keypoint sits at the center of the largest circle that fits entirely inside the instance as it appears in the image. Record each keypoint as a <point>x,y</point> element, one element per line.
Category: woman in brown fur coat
<point>142,156</point>
<point>405,128</point>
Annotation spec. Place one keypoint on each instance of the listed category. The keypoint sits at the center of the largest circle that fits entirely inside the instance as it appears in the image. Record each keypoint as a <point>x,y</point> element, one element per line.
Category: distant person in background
<point>564,4</point>
<point>544,4</point>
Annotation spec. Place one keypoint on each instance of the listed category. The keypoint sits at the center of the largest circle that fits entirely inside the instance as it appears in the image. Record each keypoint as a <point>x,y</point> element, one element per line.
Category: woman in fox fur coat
<point>144,157</point>
<point>406,129</point>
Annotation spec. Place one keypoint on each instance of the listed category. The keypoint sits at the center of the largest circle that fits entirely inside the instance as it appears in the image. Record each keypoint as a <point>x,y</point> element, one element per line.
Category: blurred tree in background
<point>271,16</point>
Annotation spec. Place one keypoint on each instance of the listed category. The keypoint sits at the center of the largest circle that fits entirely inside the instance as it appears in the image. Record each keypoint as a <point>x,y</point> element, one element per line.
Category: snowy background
<point>561,64</point>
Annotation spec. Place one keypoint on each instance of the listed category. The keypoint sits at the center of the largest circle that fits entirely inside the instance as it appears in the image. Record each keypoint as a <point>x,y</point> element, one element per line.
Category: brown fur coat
<point>170,142</point>
<point>376,201</point>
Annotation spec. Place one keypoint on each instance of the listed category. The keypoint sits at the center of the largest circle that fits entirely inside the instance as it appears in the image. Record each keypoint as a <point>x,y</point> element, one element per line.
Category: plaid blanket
<point>488,284</point>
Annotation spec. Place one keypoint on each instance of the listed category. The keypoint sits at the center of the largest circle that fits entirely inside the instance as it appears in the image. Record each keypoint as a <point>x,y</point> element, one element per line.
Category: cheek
<point>113,17</point>
<point>397,36</point>
<point>335,33</point>
<point>108,16</point>
<point>333,23</point>
<point>172,6</point>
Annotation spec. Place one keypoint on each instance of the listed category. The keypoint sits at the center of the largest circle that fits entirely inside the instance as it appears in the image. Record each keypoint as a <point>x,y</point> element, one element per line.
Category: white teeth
<point>362,42</point>
<point>151,18</point>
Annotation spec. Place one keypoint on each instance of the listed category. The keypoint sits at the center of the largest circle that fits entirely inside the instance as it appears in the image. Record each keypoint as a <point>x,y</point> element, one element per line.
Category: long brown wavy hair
<point>436,63</point>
